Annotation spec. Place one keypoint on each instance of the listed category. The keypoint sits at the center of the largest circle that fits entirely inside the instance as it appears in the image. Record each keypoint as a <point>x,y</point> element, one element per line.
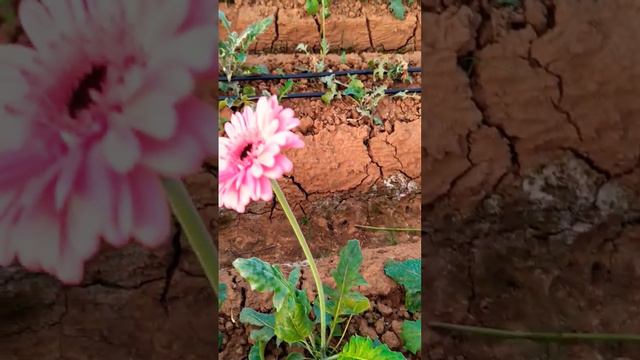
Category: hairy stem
<point>312,264</point>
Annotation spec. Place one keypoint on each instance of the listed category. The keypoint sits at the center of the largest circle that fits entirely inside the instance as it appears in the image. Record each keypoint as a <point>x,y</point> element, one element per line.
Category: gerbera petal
<point>68,172</point>
<point>152,222</point>
<point>153,115</point>
<point>187,49</point>
<point>168,15</point>
<point>13,132</point>
<point>84,223</point>
<point>121,149</point>
<point>37,23</point>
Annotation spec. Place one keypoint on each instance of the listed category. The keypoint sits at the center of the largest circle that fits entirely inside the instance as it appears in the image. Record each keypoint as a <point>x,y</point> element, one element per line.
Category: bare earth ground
<point>531,181</point>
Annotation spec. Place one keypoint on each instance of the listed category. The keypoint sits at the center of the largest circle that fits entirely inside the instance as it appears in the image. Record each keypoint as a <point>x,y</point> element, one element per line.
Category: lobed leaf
<point>408,274</point>
<point>397,9</point>
<point>311,6</point>
<point>411,335</point>
<point>361,348</point>
<point>292,320</point>
<point>263,277</point>
<point>355,89</point>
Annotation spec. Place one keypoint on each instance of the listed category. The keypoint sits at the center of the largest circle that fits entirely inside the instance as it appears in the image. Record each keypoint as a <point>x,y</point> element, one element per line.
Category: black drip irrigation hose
<point>308,95</point>
<point>306,75</point>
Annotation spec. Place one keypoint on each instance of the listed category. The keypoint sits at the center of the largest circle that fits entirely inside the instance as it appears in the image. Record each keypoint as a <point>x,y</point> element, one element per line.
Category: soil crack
<point>276,28</point>
<point>369,33</point>
<point>173,265</point>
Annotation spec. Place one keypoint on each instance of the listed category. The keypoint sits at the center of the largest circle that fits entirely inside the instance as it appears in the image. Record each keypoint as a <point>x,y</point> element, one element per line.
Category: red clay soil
<point>354,26</point>
<point>531,181</point>
<point>382,322</point>
<point>349,173</point>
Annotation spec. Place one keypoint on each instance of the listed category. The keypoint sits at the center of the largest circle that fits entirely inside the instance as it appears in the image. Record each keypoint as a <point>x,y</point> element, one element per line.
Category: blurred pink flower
<point>251,153</point>
<point>91,118</point>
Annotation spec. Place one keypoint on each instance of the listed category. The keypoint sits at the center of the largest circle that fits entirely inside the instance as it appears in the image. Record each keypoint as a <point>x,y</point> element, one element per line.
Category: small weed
<point>232,51</point>
<point>397,8</point>
<point>394,71</point>
<point>285,89</point>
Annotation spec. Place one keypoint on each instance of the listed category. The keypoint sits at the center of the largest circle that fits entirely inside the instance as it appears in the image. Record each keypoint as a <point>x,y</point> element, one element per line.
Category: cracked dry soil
<point>531,184</point>
<point>355,26</point>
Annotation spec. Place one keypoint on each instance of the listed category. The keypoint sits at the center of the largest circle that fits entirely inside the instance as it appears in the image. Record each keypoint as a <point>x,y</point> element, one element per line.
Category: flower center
<point>81,97</point>
<point>245,152</point>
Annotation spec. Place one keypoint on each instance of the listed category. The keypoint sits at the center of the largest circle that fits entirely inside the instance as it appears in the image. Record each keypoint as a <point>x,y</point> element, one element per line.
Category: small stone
<point>305,125</point>
<point>391,339</point>
<point>396,325</point>
<point>366,330</point>
<point>385,309</point>
<point>228,325</point>
<point>379,326</point>
<point>536,14</point>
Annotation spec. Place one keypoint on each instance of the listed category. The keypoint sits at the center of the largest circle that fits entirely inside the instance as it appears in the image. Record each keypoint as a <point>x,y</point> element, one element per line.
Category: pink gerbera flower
<point>91,117</point>
<point>251,154</point>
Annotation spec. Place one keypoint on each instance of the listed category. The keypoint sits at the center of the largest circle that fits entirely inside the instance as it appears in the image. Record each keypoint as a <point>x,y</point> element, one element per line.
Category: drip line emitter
<point>311,75</point>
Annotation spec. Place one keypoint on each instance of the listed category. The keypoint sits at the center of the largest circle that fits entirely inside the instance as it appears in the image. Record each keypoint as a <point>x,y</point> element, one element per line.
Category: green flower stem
<point>387,228</point>
<point>195,230</point>
<point>312,264</point>
<point>536,336</point>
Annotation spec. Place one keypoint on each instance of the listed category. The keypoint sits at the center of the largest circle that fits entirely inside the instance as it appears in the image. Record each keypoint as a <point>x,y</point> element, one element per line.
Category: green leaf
<point>264,334</point>
<point>295,356</point>
<point>302,48</point>
<point>355,89</point>
<point>347,273</point>
<point>343,57</point>
<point>252,317</point>
<point>377,121</point>
<point>248,91</point>
<point>257,351</point>
<point>324,46</point>
<point>222,293</point>
<point>263,277</point>
<point>408,274</point>
<point>328,96</point>
<point>413,301</point>
<point>342,300</point>
<point>411,335</point>
<point>326,11</point>
<point>261,336</point>
<point>346,303</point>
<point>285,89</point>
<point>292,320</point>
<point>316,311</point>
<point>294,276</point>
<point>257,69</point>
<point>224,20</point>
<point>311,6</point>
<point>397,9</point>
<point>255,29</point>
<point>361,348</point>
